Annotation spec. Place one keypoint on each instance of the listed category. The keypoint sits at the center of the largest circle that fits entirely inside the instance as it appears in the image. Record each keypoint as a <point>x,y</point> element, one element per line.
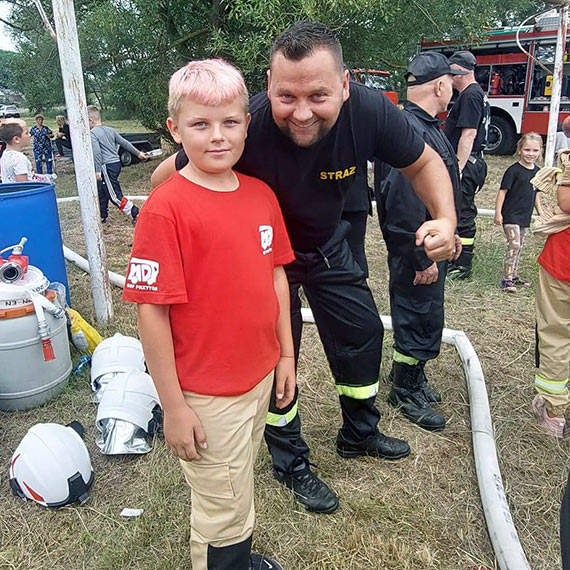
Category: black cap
<point>428,66</point>
<point>465,59</point>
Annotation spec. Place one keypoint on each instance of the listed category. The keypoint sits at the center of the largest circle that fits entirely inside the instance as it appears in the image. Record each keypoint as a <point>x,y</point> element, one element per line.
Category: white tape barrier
<point>502,531</point>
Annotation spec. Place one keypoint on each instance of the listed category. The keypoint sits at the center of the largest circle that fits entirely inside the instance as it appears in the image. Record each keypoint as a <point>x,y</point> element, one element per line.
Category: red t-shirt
<point>210,256</point>
<point>555,256</point>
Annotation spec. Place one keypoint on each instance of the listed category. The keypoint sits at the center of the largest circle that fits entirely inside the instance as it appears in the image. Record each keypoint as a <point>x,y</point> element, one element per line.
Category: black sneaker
<point>415,406</point>
<point>262,562</point>
<point>313,493</point>
<point>103,220</point>
<point>378,445</point>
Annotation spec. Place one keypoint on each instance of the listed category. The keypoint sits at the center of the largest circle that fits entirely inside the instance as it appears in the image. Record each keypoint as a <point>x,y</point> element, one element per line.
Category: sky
<point>5,40</point>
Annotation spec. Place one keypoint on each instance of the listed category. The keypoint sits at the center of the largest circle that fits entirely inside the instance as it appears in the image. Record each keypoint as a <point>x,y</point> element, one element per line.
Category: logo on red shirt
<point>266,233</point>
<point>143,274</point>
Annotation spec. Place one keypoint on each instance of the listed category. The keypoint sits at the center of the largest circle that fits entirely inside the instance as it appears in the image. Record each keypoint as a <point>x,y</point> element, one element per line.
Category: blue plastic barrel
<point>29,209</point>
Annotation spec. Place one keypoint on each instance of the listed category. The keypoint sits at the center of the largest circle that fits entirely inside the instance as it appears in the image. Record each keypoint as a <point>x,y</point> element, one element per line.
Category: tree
<point>131,47</point>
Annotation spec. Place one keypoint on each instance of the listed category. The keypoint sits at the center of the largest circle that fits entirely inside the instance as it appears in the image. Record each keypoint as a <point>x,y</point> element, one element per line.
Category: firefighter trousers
<point>417,311</point>
<point>351,332</point>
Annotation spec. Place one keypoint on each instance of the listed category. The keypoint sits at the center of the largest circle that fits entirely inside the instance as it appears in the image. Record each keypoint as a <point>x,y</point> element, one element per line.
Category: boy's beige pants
<point>553,342</point>
<point>222,480</point>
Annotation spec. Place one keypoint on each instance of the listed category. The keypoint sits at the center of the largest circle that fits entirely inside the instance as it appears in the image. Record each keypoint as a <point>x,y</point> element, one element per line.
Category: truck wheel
<point>126,157</point>
<point>502,136</point>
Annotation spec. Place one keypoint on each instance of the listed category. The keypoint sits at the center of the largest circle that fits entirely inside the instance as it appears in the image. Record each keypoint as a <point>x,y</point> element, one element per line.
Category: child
<point>63,135</point>
<point>14,165</point>
<point>553,325</point>
<point>206,270</point>
<point>515,202</point>
<point>106,142</point>
<point>42,145</point>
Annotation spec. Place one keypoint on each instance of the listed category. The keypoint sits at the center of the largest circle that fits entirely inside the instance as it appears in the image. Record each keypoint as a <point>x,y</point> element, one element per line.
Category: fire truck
<point>377,79</point>
<point>517,88</point>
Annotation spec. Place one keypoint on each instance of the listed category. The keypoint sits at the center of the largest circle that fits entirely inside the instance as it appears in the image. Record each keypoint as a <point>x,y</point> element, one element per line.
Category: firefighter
<point>466,128</point>
<point>416,282</point>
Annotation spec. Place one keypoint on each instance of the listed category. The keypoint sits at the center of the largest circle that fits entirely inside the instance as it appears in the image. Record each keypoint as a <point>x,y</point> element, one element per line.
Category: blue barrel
<point>30,209</point>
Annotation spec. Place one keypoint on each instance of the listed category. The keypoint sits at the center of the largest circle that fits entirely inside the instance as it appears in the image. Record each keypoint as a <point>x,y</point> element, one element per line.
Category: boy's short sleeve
<point>283,252</point>
<point>21,164</point>
<point>155,273</point>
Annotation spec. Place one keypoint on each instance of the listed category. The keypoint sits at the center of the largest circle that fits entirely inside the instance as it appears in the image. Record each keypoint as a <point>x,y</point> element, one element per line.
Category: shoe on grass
<point>262,562</point>
<point>554,426</point>
<point>508,286</point>
<point>313,493</point>
<point>521,282</point>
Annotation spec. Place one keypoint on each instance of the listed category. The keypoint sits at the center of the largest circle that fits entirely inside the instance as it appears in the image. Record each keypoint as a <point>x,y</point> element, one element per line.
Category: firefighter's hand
<point>427,276</point>
<point>458,248</point>
<point>437,237</point>
<point>285,382</point>
<point>183,433</point>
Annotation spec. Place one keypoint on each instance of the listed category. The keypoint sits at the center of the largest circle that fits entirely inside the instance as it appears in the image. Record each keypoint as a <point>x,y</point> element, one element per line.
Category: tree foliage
<point>131,47</point>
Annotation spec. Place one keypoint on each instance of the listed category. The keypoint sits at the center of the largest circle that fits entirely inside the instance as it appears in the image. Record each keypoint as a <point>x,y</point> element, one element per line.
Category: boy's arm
<point>97,160</point>
<point>499,206</point>
<point>128,146</point>
<point>285,370</point>
<point>183,431</point>
<point>537,204</point>
<point>563,198</point>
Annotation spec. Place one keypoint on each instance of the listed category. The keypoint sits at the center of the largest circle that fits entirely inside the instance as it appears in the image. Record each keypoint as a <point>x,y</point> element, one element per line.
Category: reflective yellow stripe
<point>551,386</point>
<point>358,392</point>
<point>468,241</point>
<point>281,420</point>
<point>399,357</point>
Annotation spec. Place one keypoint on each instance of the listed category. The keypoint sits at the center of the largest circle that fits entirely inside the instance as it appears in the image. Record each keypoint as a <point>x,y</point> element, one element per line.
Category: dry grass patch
<point>420,513</point>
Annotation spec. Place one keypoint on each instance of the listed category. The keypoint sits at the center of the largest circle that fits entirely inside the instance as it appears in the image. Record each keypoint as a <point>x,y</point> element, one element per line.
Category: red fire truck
<point>517,88</point>
<point>377,79</point>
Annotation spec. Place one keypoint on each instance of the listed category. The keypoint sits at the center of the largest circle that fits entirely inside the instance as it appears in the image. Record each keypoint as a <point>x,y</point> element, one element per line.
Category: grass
<point>420,513</point>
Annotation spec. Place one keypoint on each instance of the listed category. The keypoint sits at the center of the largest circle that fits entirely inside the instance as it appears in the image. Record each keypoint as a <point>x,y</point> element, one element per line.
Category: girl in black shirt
<point>515,202</point>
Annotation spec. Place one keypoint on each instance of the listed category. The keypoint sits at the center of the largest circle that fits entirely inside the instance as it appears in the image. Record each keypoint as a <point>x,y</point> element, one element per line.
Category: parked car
<point>7,111</point>
<point>145,142</point>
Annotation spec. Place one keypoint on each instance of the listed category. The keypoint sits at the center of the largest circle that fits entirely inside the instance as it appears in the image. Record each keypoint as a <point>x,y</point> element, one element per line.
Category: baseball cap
<point>464,58</point>
<point>428,66</point>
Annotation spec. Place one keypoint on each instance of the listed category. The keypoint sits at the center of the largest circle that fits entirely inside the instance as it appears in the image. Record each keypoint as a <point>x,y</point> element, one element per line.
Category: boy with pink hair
<point>209,242</point>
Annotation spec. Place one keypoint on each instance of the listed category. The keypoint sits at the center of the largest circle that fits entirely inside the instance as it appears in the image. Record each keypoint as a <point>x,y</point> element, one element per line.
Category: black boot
<point>378,445</point>
<point>461,267</point>
<point>409,398</point>
<point>262,562</point>
<point>313,493</point>
<point>431,394</point>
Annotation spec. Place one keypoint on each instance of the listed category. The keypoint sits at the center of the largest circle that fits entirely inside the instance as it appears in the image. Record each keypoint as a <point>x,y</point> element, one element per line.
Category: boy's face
<point>24,140</point>
<point>213,137</point>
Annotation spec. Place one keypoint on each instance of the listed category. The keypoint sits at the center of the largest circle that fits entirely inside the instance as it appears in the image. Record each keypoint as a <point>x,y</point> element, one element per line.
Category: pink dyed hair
<point>206,82</point>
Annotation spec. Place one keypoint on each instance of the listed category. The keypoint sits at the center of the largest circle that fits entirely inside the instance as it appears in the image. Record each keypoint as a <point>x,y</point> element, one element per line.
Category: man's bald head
<point>432,96</point>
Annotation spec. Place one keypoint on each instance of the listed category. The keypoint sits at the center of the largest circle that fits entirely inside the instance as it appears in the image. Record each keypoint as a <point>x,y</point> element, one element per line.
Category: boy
<point>210,243</point>
<point>106,142</point>
<point>14,165</point>
<point>42,145</point>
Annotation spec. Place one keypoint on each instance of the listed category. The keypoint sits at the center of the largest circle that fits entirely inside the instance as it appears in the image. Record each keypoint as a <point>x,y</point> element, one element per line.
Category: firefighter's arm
<point>183,431</point>
<point>465,146</point>
<point>431,183</point>
<point>163,171</point>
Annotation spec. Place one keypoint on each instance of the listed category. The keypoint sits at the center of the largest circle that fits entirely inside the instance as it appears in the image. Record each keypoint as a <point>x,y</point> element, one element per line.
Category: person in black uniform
<point>307,136</point>
<point>465,128</point>
<point>416,282</point>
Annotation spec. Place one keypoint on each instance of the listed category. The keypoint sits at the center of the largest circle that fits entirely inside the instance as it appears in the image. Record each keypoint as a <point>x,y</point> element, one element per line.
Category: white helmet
<point>116,354</point>
<point>129,410</point>
<point>51,466</point>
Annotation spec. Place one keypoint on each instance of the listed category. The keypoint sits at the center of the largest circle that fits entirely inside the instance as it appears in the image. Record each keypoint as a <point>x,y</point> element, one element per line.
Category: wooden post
<point>558,76</point>
<point>74,89</point>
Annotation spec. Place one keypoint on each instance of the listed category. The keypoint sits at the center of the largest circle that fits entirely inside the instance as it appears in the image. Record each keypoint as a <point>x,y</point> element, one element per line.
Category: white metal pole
<point>74,89</point>
<point>557,78</point>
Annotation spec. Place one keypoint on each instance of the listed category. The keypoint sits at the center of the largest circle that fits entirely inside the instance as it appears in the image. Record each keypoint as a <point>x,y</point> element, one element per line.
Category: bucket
<point>30,373</point>
<point>30,209</point>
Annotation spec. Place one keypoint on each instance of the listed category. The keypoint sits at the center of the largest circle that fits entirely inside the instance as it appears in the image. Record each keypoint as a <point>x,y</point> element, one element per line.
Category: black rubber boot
<point>461,267</point>
<point>431,394</point>
<point>313,493</point>
<point>407,395</point>
<point>378,445</point>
